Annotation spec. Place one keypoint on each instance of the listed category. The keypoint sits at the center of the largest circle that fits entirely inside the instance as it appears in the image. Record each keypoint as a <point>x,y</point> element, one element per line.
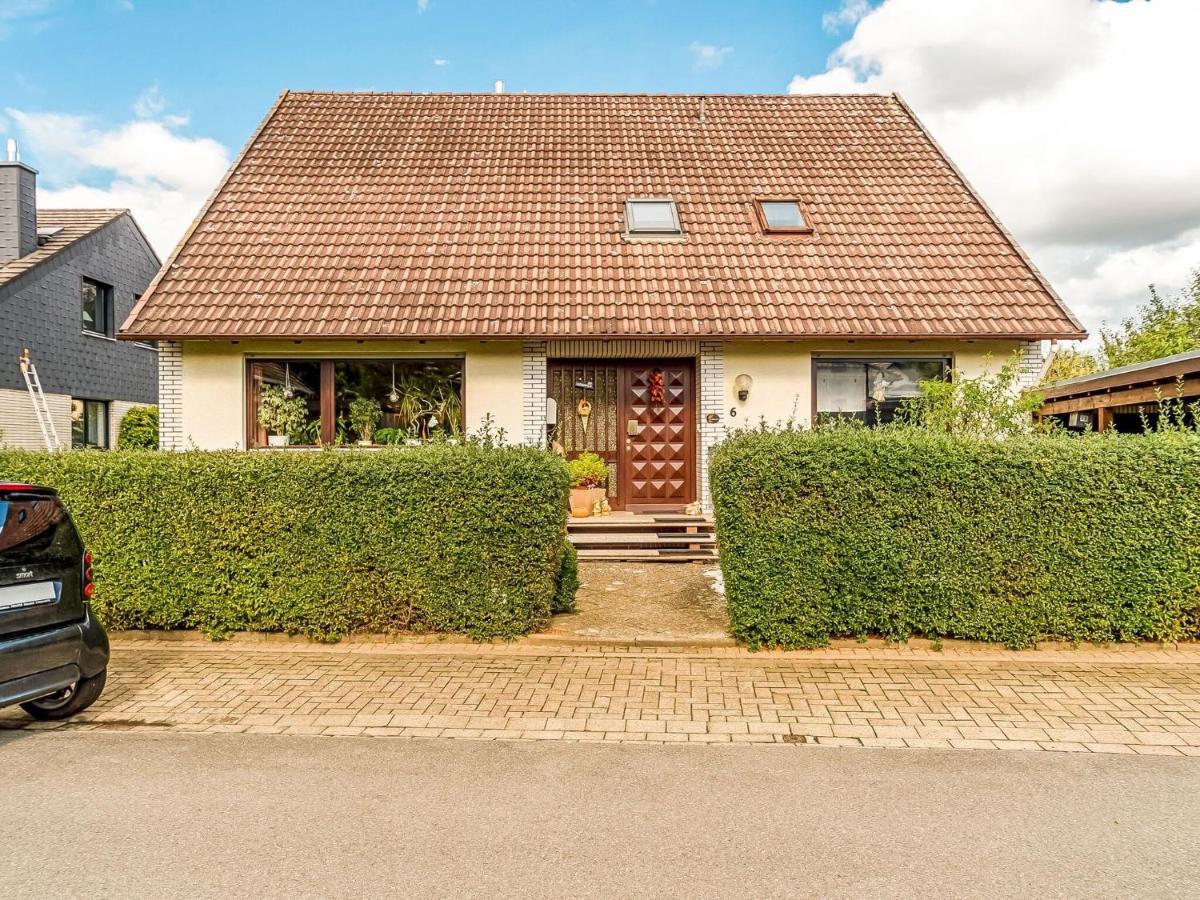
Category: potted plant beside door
<point>588,476</point>
<point>281,413</point>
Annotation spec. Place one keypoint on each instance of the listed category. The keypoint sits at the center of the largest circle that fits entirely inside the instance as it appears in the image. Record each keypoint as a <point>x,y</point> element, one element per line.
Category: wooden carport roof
<point>1170,377</point>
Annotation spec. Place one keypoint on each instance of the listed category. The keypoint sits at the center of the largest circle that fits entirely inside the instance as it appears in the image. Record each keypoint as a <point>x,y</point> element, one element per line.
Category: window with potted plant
<point>365,415</point>
<point>589,473</point>
<point>280,413</point>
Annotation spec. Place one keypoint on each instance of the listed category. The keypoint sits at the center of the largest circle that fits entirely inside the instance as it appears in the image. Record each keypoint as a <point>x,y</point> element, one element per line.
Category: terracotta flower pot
<point>583,500</point>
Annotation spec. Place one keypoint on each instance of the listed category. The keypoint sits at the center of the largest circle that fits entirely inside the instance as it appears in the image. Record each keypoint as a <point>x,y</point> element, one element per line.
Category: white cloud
<point>441,62</point>
<point>708,56</point>
<point>848,13</point>
<point>150,103</point>
<point>1073,118</point>
<point>13,12</point>
<point>422,5</point>
<point>143,165</point>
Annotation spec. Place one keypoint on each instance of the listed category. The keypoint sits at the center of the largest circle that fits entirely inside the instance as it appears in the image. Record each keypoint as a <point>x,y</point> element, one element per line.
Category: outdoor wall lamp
<point>743,383</point>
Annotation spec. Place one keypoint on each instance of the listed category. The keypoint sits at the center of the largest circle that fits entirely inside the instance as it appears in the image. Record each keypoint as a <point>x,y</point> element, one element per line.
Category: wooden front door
<point>658,422</point>
<point>642,422</point>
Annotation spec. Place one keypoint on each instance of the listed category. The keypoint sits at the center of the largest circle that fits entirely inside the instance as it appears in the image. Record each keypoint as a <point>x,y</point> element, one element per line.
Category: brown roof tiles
<point>501,215</point>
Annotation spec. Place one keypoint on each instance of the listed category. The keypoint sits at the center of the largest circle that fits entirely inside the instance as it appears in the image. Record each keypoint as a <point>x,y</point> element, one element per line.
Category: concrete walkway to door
<point>626,602</point>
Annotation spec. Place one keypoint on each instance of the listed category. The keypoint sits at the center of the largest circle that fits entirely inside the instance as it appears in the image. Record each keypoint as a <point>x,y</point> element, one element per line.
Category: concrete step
<point>639,538</point>
<point>634,554</point>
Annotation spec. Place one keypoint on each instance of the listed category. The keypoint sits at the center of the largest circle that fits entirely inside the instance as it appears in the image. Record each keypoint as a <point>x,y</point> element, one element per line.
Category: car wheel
<point>69,701</point>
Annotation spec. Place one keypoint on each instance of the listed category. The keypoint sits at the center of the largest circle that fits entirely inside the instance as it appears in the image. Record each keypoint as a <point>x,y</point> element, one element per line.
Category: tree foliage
<point>1161,327</point>
<point>1070,362</point>
<point>984,405</point>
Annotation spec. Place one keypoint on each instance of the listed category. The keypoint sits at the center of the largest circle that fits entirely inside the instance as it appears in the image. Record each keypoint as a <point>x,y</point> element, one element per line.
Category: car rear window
<point>36,529</point>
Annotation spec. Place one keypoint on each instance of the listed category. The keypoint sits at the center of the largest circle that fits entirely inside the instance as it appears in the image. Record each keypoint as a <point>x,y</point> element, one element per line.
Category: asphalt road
<point>160,815</point>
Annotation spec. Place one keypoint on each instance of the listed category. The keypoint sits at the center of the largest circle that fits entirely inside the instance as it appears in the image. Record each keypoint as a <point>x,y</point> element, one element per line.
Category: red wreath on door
<point>658,392</point>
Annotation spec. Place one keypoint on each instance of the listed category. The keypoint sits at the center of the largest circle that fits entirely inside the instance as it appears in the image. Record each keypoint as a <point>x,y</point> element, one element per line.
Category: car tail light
<point>15,486</point>
<point>88,587</point>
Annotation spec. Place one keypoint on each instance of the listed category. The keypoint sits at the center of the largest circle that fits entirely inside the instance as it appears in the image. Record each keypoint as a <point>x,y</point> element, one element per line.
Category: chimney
<point>18,206</point>
<point>498,87</point>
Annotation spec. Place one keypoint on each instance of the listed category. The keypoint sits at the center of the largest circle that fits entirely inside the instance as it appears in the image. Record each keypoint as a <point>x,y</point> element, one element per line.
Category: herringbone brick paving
<point>1144,702</point>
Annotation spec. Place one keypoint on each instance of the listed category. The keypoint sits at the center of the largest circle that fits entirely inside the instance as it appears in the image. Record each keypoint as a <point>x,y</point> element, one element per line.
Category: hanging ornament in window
<point>287,381</point>
<point>393,394</point>
<point>584,408</point>
<point>658,391</point>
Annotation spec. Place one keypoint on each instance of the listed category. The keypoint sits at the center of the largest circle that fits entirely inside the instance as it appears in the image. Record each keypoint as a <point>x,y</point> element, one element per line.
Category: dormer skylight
<point>652,216</point>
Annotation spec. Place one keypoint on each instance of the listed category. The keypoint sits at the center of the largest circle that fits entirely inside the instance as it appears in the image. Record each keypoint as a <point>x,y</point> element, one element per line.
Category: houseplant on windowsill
<point>588,475</point>
<point>281,413</point>
<point>365,415</point>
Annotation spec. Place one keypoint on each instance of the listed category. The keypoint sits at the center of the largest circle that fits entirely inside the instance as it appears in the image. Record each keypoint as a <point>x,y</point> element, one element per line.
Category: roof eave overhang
<point>614,336</point>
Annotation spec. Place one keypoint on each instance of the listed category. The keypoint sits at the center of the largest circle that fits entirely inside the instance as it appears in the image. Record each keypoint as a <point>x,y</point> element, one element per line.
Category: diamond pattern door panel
<point>659,457</point>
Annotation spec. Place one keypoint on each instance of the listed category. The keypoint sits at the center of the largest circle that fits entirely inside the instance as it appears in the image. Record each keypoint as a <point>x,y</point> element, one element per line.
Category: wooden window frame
<point>326,391</point>
<point>767,228</point>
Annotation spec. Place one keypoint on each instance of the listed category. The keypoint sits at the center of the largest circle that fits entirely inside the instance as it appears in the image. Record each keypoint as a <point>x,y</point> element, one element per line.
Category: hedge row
<point>899,532</point>
<point>457,539</point>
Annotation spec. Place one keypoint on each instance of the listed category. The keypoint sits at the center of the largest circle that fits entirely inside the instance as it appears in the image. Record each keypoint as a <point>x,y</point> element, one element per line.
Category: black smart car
<point>53,653</point>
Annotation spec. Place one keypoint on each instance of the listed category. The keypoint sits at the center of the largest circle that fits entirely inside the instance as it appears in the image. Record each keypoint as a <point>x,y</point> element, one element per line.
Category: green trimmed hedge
<point>853,532</point>
<point>461,539</point>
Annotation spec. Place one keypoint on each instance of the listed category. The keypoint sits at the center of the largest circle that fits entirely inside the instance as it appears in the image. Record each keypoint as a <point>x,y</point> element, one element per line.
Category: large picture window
<point>344,402</point>
<point>870,390</point>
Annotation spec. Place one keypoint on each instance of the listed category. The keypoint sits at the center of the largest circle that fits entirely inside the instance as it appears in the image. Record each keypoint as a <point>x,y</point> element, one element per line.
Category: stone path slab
<point>1147,702</point>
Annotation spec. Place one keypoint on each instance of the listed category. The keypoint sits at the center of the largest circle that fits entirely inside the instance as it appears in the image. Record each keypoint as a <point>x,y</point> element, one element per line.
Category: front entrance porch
<point>640,417</point>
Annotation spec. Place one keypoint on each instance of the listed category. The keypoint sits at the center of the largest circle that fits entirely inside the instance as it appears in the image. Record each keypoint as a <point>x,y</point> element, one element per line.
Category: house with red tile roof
<point>628,274</point>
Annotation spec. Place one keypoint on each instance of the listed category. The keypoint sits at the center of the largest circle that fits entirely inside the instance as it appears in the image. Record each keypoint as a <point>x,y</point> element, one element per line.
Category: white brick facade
<point>170,395</point>
<point>533,381</point>
<point>19,426</point>
<point>712,403</point>
<point>1031,366</point>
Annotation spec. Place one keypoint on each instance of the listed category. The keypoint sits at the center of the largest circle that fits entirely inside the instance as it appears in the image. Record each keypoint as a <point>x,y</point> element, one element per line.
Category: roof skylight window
<point>652,216</point>
<point>782,215</point>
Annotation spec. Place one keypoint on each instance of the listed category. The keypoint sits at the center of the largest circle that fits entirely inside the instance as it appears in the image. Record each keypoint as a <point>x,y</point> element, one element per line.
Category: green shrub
<point>567,583</point>
<point>458,539</point>
<point>138,429</point>
<point>851,532</point>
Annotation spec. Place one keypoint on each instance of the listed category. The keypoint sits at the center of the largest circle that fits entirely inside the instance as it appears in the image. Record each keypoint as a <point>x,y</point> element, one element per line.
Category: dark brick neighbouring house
<point>68,278</point>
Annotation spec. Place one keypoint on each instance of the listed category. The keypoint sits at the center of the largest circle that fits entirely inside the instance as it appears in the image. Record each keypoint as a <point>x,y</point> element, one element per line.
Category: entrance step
<point>658,537</point>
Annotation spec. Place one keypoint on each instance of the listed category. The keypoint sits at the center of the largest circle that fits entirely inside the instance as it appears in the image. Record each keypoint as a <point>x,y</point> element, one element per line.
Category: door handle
<point>632,428</point>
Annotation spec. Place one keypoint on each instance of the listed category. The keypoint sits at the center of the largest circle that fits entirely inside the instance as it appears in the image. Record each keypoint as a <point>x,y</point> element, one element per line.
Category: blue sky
<point>222,63</point>
<point>1069,116</point>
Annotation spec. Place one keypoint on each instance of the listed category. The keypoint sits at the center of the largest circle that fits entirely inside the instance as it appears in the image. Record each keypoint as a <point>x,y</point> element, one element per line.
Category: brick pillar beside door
<point>712,403</point>
<point>533,383</point>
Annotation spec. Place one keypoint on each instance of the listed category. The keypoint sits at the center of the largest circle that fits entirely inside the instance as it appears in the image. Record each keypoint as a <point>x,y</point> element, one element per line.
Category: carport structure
<point>1123,399</point>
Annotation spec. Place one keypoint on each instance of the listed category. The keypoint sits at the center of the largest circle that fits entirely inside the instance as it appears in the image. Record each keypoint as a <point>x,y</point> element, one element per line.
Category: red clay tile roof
<point>501,215</point>
<point>75,224</point>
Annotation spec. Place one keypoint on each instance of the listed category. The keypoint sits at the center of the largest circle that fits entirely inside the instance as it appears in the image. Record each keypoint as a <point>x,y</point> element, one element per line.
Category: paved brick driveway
<point>1116,702</point>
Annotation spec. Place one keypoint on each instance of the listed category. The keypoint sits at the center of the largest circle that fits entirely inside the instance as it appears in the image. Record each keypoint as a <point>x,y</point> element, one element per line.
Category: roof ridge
<point>662,94</point>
